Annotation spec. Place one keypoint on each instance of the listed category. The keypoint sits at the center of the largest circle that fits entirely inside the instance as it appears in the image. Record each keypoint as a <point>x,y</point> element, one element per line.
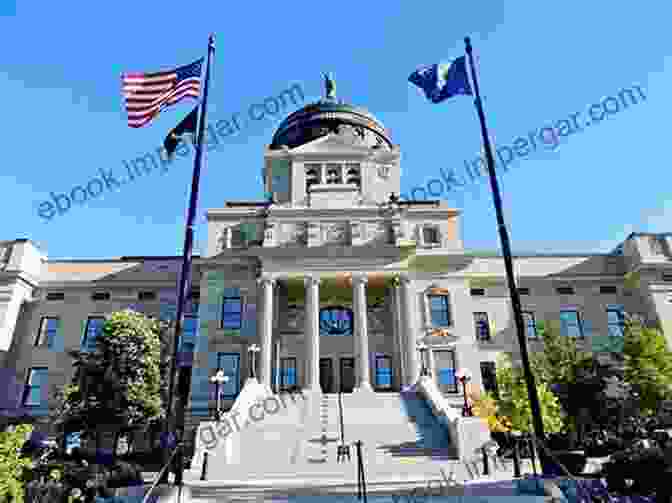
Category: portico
<point>322,304</point>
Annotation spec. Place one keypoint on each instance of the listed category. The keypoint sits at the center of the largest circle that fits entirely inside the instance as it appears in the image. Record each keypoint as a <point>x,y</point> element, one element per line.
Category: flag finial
<point>467,42</point>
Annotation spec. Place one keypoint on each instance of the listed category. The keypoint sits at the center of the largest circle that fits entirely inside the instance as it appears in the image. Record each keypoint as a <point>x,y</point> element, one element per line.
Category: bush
<point>12,463</point>
<point>645,467</point>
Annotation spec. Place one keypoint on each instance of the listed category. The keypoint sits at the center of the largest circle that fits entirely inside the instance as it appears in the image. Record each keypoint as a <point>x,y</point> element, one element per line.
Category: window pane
<point>616,321</point>
<point>530,324</point>
<point>482,326</point>
<point>230,364</point>
<point>569,324</point>
<point>94,327</point>
<point>439,310</point>
<point>37,381</point>
<point>232,312</point>
<point>445,369</point>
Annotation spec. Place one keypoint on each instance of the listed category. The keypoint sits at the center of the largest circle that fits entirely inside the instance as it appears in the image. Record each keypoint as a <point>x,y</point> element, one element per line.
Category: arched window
<point>336,320</point>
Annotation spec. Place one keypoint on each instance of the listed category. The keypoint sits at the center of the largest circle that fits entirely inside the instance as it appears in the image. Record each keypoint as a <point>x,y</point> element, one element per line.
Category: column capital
<point>265,279</point>
<point>359,277</point>
<point>311,279</point>
<point>402,279</point>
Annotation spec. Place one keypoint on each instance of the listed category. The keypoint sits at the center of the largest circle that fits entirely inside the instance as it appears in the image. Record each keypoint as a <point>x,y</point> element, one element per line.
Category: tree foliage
<point>121,379</point>
<point>485,406</point>
<point>514,402</point>
<point>12,463</point>
<point>648,363</point>
<point>561,360</point>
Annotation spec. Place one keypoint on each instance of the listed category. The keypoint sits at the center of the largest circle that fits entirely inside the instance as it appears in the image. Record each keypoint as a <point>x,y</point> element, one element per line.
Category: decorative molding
<point>358,278</point>
<point>311,280</point>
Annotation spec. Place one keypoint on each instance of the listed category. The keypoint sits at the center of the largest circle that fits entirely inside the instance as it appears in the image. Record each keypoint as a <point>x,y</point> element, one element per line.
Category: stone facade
<point>334,280</point>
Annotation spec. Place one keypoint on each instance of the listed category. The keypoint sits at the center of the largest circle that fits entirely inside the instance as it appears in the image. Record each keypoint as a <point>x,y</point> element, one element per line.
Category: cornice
<point>24,277</point>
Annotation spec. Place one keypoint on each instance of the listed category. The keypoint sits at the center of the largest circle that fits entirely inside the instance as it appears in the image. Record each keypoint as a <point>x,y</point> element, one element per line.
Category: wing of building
<point>335,280</point>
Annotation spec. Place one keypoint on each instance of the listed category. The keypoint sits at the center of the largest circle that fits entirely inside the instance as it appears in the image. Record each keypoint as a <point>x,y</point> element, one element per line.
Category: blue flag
<point>443,80</point>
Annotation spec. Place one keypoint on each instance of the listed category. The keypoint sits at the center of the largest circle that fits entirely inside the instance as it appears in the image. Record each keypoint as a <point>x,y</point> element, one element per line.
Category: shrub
<point>12,463</point>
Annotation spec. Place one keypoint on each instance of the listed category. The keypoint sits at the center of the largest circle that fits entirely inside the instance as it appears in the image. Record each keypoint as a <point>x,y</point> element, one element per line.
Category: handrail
<point>340,415</point>
<point>165,467</point>
<point>580,485</point>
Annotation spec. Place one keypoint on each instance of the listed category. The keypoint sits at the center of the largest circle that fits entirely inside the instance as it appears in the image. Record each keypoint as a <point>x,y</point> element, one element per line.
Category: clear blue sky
<point>63,115</point>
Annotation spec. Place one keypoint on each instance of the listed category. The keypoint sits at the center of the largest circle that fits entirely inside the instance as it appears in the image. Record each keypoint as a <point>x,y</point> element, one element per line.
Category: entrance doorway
<point>326,375</point>
<point>347,375</point>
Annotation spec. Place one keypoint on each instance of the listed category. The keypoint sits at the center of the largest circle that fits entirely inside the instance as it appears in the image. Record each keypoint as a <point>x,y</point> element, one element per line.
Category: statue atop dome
<point>329,87</point>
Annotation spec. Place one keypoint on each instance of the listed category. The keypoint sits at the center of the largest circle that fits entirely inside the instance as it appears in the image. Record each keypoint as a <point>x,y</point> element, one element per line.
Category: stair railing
<point>161,473</point>
<point>361,476</point>
<point>343,450</point>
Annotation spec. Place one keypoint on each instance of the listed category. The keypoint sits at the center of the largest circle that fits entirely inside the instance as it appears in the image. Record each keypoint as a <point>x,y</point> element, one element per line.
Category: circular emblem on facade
<point>335,321</point>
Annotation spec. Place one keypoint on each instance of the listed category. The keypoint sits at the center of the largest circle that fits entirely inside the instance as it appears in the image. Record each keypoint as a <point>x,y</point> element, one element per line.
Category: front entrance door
<point>347,375</point>
<point>326,375</point>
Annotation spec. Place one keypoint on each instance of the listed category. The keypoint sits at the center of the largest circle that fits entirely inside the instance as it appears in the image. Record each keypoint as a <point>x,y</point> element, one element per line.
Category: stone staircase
<point>296,448</point>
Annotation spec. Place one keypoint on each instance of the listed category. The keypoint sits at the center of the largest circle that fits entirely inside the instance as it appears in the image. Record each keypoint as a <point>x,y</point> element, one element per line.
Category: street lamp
<point>464,376</point>
<point>253,350</point>
<point>218,380</point>
<point>422,347</point>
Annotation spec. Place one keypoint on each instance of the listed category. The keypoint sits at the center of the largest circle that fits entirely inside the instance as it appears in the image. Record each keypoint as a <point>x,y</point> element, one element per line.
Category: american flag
<point>148,93</point>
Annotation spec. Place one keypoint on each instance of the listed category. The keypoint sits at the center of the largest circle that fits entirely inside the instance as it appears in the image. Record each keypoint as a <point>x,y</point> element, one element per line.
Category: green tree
<point>121,380</point>
<point>12,463</point>
<point>648,363</point>
<point>561,360</point>
<point>513,401</point>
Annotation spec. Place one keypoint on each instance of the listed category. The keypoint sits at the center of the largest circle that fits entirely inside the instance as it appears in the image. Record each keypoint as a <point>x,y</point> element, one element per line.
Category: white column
<point>396,306</point>
<point>312,333</point>
<point>266,332</point>
<point>409,335</point>
<point>426,311</point>
<point>359,282</point>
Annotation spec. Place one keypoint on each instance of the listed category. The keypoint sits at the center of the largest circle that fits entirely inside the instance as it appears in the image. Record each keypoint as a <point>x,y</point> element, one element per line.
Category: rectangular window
<point>667,278</point>
<point>430,235</point>
<point>565,290</point>
<point>482,326</point>
<point>570,323</point>
<point>94,327</point>
<point>232,312</point>
<point>439,308</point>
<point>36,385</point>
<point>489,377</point>
<point>287,373</point>
<point>616,322</point>
<point>334,174</point>
<point>477,292</point>
<point>56,296</point>
<point>523,291</point>
<point>656,245</point>
<point>444,361</point>
<point>530,324</point>
<point>608,289</point>
<point>146,296</point>
<point>100,296</point>
<point>48,332</point>
<point>383,372</point>
<point>230,364</point>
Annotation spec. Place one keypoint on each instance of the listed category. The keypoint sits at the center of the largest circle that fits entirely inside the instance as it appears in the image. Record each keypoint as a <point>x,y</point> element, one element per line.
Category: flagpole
<point>538,424</point>
<point>184,380</point>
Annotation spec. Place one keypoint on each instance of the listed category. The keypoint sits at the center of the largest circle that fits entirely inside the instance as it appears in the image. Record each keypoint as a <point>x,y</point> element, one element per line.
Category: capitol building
<point>341,285</point>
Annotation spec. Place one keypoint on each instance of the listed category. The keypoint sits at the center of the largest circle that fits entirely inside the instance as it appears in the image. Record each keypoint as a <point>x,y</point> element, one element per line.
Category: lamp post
<point>422,347</point>
<point>464,376</point>
<point>253,350</point>
<point>218,380</point>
